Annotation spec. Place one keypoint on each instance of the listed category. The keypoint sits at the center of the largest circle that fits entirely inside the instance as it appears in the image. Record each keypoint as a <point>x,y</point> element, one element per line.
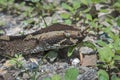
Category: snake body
<point>56,36</point>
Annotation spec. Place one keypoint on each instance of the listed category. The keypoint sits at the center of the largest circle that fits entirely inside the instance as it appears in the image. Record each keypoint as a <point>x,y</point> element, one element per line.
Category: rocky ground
<point>28,67</point>
<point>15,26</point>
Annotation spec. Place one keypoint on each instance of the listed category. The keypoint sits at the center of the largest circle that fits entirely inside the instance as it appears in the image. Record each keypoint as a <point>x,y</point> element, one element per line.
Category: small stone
<point>33,65</point>
<point>88,74</point>
<point>25,75</point>
<point>75,62</point>
<point>34,60</point>
<point>89,60</point>
<point>86,50</point>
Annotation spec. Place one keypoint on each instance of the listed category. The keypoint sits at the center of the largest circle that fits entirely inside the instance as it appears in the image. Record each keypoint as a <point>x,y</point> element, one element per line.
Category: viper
<point>56,36</point>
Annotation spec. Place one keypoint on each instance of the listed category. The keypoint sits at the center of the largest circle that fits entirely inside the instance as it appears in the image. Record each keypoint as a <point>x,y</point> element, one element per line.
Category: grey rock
<point>89,74</point>
<point>86,50</point>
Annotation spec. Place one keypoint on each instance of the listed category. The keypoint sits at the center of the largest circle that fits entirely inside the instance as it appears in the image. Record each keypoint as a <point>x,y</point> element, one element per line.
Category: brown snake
<point>56,36</point>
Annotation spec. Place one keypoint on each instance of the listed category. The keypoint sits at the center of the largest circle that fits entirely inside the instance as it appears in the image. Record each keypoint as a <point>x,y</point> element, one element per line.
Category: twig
<point>85,29</point>
<point>44,21</point>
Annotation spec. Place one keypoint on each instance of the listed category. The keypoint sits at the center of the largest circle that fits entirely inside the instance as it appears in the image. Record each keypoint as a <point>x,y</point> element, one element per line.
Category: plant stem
<point>109,72</point>
<point>44,21</point>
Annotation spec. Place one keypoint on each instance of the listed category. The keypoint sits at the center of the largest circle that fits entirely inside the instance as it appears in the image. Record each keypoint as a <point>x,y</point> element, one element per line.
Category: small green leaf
<point>66,6</point>
<point>16,55</point>
<point>110,46</point>
<point>70,50</point>
<point>101,43</point>
<point>76,4</point>
<point>13,61</point>
<point>88,16</point>
<point>112,35</point>
<point>2,23</point>
<point>108,20</point>
<point>116,57</point>
<point>85,2</point>
<point>103,10</point>
<point>106,54</point>
<point>87,10</point>
<point>95,1</point>
<point>116,5</point>
<point>71,74</point>
<point>118,21</point>
<point>114,77</point>
<point>51,55</point>
<point>88,44</point>
<point>93,24</point>
<point>103,75</point>
<point>65,15</point>
<point>2,32</point>
<point>56,77</point>
<point>117,51</point>
<point>68,22</point>
<point>107,29</point>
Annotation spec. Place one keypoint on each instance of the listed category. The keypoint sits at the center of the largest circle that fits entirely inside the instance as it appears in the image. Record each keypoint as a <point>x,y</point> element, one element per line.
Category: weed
<point>68,75</point>
<point>109,55</point>
<point>17,61</point>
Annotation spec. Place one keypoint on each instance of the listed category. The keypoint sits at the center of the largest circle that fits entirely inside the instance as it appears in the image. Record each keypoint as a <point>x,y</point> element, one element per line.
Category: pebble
<point>86,50</point>
<point>75,62</point>
<point>89,74</point>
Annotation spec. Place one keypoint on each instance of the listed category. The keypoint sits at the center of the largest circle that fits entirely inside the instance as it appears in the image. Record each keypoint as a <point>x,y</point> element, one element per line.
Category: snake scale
<point>56,36</point>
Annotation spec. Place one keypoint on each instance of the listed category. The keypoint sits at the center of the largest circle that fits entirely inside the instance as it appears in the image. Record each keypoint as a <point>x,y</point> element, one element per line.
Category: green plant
<point>72,11</point>
<point>76,10</point>
<point>43,8</point>
<point>70,50</point>
<point>5,3</point>
<point>109,55</point>
<point>86,43</point>
<point>118,20</point>
<point>34,75</point>
<point>15,8</point>
<point>70,74</point>
<point>116,5</point>
<point>56,77</point>
<point>103,75</point>
<point>17,61</point>
<point>2,23</point>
